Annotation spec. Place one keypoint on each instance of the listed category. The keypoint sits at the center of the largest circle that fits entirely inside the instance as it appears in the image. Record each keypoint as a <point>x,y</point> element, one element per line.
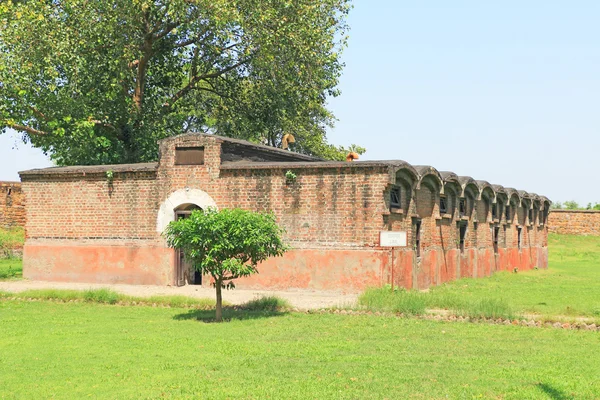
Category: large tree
<point>98,81</point>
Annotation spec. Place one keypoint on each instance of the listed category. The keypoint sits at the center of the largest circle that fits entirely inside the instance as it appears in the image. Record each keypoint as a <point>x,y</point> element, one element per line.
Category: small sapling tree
<point>226,244</point>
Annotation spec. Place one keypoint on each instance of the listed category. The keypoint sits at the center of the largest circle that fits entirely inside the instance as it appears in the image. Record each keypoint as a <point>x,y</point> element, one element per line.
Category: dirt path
<point>302,299</point>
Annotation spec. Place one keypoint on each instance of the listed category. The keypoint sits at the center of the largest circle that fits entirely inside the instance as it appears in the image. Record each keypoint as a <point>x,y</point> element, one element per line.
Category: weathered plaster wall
<point>12,205</point>
<point>574,222</point>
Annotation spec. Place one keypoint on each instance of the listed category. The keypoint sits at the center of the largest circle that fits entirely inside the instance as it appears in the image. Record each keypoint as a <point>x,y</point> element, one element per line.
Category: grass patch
<point>487,308</point>
<point>266,303</point>
<point>11,239</point>
<point>102,296</point>
<point>400,301</point>
<point>412,302</point>
<point>108,296</point>
<point>48,294</point>
<point>11,268</point>
<point>181,301</point>
<point>568,288</point>
<point>86,350</point>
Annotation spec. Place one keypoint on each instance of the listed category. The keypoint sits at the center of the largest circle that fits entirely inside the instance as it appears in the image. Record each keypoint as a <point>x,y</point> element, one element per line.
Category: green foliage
<point>11,239</point>
<point>290,176</point>
<point>571,205</point>
<point>11,268</point>
<point>99,82</point>
<point>596,206</point>
<point>226,244</point>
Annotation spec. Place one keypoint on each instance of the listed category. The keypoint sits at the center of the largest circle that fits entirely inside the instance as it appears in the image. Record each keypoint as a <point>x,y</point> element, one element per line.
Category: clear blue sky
<point>507,92</point>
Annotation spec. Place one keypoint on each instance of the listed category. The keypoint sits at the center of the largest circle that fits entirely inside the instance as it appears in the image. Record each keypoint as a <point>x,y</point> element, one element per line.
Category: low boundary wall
<point>574,222</point>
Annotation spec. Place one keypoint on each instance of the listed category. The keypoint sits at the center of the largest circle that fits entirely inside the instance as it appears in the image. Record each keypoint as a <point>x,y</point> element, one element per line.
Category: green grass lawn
<point>570,287</point>
<point>81,350</point>
<point>11,268</point>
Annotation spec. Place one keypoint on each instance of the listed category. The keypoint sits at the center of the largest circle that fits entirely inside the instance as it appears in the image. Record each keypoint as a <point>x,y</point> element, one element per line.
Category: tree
<point>571,205</point>
<point>97,81</point>
<point>226,244</point>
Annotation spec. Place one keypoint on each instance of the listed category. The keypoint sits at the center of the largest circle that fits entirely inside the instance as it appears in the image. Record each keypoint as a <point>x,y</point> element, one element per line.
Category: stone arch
<point>452,190</point>
<point>405,179</point>
<point>501,201</point>
<point>470,193</point>
<point>487,200</point>
<point>181,197</point>
<point>429,176</point>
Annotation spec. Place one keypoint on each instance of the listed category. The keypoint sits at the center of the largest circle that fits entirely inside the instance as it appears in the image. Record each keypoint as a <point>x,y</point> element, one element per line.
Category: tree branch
<point>104,124</point>
<point>191,84</point>
<point>38,113</point>
<point>140,84</point>
<point>166,31</point>
<point>27,129</point>
<point>210,90</point>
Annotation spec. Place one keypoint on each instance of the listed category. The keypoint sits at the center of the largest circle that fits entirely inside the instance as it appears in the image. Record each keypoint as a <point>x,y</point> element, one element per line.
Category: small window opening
<point>507,212</point>
<point>531,216</point>
<point>189,156</point>
<point>418,237</point>
<point>495,211</point>
<point>519,237</point>
<point>496,233</point>
<point>395,198</point>
<point>462,234</point>
<point>462,207</point>
<point>443,205</point>
<point>542,217</point>
<point>9,191</point>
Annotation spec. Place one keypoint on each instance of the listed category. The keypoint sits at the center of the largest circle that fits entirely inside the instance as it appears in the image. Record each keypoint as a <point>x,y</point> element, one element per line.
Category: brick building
<point>104,223</point>
<point>12,209</point>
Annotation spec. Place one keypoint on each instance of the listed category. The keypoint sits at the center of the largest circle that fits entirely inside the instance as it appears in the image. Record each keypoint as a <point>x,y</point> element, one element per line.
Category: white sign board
<point>392,239</point>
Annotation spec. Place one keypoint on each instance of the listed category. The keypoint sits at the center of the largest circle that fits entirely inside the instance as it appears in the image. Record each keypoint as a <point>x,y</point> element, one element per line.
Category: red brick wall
<point>92,208</point>
<point>12,206</point>
<point>85,228</point>
<point>574,222</point>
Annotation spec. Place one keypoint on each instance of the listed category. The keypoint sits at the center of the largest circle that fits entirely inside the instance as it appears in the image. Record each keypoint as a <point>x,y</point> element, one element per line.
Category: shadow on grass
<point>229,314</point>
<point>552,392</point>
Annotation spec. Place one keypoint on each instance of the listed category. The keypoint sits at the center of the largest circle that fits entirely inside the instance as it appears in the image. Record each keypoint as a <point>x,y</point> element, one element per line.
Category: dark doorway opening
<point>184,270</point>
<point>496,233</point>
<point>462,235</point>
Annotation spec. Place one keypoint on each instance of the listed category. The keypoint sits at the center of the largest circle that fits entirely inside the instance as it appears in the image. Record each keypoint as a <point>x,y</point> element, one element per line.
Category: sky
<point>507,92</point>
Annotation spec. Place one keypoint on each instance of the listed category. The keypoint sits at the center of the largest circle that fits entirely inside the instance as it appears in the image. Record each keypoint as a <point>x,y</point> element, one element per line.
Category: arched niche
<point>179,201</point>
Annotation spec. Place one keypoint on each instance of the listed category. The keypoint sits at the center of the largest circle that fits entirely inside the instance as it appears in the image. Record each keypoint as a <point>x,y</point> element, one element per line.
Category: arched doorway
<point>184,271</point>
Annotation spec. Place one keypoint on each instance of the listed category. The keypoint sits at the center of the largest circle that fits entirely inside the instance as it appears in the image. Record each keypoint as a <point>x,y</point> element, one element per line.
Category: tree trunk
<point>219,307</point>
